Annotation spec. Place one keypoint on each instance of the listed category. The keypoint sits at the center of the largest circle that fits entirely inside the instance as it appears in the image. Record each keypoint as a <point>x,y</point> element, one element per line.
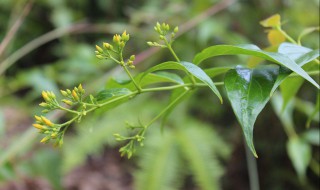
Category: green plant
<point>249,87</point>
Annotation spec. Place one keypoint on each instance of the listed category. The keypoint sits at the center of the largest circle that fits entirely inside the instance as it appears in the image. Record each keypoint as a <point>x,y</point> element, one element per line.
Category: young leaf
<point>312,136</point>
<point>188,68</point>
<point>299,152</point>
<point>215,71</point>
<point>250,49</point>
<point>160,77</point>
<point>272,21</point>
<point>315,111</point>
<point>113,92</point>
<point>248,91</point>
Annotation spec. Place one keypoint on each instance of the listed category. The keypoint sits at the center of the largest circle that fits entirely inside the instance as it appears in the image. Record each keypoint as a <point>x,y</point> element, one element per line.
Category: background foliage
<point>51,47</point>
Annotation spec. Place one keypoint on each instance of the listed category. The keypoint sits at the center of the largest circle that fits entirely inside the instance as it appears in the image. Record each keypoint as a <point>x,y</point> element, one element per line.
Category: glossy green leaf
<point>299,152</point>
<point>248,91</point>
<point>113,92</point>
<point>254,51</point>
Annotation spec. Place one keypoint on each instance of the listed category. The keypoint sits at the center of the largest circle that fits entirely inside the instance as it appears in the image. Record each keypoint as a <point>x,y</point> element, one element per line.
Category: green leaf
<point>300,60</point>
<point>315,112</point>
<point>170,65</point>
<point>202,76</point>
<point>112,92</point>
<point>312,136</point>
<point>248,91</point>
<point>290,86</point>
<point>160,77</point>
<point>253,50</point>
<point>285,116</point>
<point>292,51</point>
<point>215,71</point>
<point>299,152</point>
<point>188,68</point>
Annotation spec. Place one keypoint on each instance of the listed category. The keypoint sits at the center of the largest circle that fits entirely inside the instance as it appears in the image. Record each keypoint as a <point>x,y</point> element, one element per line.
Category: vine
<point>248,88</point>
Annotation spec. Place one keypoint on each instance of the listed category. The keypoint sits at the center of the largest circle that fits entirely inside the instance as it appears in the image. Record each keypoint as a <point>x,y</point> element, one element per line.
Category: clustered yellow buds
<point>163,30</point>
<point>107,51</point>
<point>51,130</point>
<point>50,102</point>
<point>73,96</point>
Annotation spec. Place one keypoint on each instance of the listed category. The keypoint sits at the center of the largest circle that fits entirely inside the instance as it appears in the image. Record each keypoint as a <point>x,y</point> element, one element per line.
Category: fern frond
<point>159,163</point>
<point>196,143</point>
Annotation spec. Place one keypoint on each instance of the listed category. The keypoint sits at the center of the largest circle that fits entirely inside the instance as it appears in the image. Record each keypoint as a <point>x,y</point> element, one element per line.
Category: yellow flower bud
<point>122,44</point>
<point>75,95</point>
<point>107,46</point>
<point>116,39</point>
<point>38,126</point>
<point>81,90</point>
<point>99,56</point>
<point>176,29</point>
<point>45,96</point>
<point>43,104</point>
<point>38,118</point>
<point>132,57</point>
<point>99,49</point>
<point>54,135</point>
<point>47,121</point>
<point>45,139</point>
<point>51,95</point>
<point>125,37</point>
<point>64,93</point>
<point>68,102</point>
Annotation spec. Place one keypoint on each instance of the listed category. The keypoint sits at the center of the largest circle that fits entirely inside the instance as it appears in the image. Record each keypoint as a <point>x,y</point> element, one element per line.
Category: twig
<point>14,28</point>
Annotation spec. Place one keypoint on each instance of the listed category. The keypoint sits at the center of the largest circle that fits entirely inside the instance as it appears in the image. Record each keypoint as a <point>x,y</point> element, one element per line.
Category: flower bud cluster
<point>163,30</point>
<point>107,50</point>
<point>50,101</point>
<point>137,139</point>
<point>73,96</point>
<point>51,130</point>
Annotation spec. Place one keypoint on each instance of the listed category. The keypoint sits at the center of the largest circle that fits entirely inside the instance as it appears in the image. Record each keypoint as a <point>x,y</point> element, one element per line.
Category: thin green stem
<point>166,109</point>
<point>70,121</point>
<point>252,169</point>
<point>172,52</point>
<point>132,79</point>
<point>68,110</point>
<point>286,35</point>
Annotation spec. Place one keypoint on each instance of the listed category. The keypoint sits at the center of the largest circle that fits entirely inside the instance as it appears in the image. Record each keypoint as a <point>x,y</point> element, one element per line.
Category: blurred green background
<point>49,45</point>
